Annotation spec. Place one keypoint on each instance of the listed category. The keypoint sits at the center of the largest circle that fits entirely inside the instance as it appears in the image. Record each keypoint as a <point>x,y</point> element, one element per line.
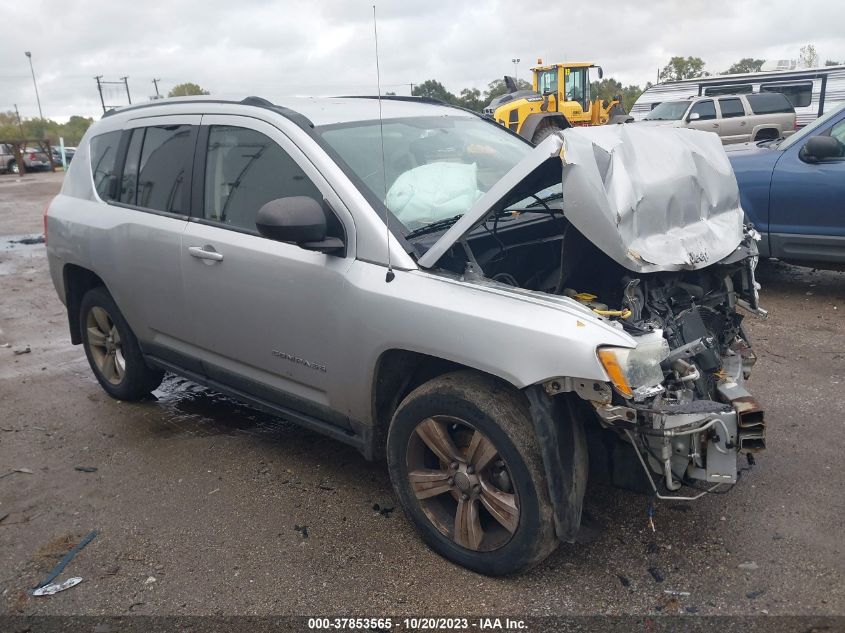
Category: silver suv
<point>735,118</point>
<point>425,285</point>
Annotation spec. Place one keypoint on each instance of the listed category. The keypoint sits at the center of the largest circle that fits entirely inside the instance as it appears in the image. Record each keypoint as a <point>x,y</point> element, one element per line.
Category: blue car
<point>793,190</point>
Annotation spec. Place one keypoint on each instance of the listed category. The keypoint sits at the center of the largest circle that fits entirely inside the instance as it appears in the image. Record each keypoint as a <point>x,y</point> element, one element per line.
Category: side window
<point>769,103</point>
<point>731,108</point>
<point>165,165</point>
<point>706,110</point>
<point>129,179</point>
<point>245,169</point>
<point>103,158</point>
<point>838,132</point>
<point>740,89</point>
<point>799,95</point>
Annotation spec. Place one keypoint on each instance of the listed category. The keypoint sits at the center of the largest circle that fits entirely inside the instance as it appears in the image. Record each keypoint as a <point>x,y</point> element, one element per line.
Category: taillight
<point>795,124</point>
<point>46,209</point>
<point>33,157</point>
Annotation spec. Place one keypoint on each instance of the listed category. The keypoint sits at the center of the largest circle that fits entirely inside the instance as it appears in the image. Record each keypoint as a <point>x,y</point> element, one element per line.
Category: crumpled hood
<point>652,198</point>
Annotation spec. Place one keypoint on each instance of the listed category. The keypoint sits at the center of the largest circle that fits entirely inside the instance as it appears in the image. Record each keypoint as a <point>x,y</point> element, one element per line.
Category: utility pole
<point>155,83</point>
<point>100,89</point>
<point>126,83</point>
<point>34,83</point>
<point>20,125</point>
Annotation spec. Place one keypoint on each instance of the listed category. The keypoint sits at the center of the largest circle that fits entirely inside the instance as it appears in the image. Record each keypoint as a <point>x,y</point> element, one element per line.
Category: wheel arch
<point>77,281</point>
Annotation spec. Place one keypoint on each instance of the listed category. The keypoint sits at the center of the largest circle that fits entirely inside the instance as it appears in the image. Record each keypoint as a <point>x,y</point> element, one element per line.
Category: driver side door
<point>807,214</point>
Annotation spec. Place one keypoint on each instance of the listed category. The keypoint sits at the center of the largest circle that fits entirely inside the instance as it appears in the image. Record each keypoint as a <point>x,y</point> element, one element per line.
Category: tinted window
<point>129,180</point>
<point>769,103</point>
<point>838,132</point>
<point>742,89</point>
<point>731,108</point>
<point>799,95</point>
<point>244,170</point>
<point>103,156</point>
<point>166,157</point>
<point>706,110</point>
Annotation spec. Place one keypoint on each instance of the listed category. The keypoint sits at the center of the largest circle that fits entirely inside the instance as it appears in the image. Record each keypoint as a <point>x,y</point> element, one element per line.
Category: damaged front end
<point>679,396</point>
<point>644,228</point>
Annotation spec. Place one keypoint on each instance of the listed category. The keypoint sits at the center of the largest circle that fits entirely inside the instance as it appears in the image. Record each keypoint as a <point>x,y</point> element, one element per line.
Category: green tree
<point>745,65</point>
<point>683,68</point>
<point>433,89</point>
<point>831,62</point>
<point>808,57</point>
<point>471,99</point>
<point>187,89</point>
<point>608,89</point>
<point>48,129</point>
<point>497,88</point>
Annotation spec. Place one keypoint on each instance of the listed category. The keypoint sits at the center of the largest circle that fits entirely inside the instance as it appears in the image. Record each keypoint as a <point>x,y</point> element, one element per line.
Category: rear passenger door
<point>150,207</point>
<point>733,124</point>
<point>264,314</point>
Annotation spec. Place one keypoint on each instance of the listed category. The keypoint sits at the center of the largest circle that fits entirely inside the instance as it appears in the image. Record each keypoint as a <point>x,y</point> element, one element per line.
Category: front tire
<point>466,467</point>
<point>112,349</point>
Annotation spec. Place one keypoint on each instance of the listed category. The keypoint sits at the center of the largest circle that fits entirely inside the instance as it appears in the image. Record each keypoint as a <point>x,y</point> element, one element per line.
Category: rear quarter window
<point>103,159</point>
<point>770,103</point>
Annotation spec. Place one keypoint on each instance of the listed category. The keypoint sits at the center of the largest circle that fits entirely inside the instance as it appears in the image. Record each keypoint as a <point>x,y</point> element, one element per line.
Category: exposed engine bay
<point>685,411</point>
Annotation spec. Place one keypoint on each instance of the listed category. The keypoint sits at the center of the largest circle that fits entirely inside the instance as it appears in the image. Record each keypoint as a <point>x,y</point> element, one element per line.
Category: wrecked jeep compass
<point>424,285</point>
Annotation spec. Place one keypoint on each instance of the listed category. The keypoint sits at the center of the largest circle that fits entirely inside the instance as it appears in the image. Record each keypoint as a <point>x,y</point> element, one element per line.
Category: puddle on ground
<point>13,246</point>
<point>190,409</point>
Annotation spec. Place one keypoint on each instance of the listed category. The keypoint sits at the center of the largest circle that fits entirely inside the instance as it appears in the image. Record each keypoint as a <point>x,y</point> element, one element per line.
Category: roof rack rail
<point>260,102</point>
<point>413,99</point>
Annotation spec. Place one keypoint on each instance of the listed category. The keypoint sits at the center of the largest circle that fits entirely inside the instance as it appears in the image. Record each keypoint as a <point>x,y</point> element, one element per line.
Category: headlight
<point>630,369</point>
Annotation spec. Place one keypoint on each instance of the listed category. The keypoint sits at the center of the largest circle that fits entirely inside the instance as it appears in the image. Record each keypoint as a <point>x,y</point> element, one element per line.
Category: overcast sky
<point>325,47</point>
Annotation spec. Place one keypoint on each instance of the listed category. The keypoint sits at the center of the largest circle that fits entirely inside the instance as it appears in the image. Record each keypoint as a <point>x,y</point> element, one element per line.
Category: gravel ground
<point>199,502</point>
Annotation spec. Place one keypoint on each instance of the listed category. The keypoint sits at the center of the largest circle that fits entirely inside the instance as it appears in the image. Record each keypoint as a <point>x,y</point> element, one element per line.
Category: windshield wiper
<point>434,226</point>
<point>542,201</point>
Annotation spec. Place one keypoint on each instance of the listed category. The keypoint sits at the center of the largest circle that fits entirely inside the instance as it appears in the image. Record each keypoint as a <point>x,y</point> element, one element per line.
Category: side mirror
<point>299,220</point>
<point>819,148</point>
<point>695,116</point>
<point>601,72</point>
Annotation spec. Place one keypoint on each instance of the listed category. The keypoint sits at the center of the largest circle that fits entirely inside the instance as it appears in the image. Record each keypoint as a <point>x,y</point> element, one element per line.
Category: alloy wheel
<point>104,342</point>
<point>462,484</point>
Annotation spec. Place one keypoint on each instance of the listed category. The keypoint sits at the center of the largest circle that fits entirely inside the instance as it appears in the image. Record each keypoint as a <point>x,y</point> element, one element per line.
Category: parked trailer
<point>812,91</point>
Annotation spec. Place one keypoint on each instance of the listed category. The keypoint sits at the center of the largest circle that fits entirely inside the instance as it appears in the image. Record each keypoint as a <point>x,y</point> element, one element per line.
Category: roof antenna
<point>390,274</point>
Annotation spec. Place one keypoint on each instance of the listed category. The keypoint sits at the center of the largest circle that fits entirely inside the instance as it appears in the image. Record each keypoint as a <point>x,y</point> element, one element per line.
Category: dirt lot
<point>199,503</point>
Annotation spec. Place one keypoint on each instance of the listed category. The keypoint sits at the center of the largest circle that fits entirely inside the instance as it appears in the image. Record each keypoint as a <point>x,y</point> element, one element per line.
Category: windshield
<point>668,111</point>
<point>434,169</point>
<point>810,129</point>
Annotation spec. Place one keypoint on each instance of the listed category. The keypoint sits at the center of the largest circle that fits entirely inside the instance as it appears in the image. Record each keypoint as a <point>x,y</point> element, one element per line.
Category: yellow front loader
<point>560,99</point>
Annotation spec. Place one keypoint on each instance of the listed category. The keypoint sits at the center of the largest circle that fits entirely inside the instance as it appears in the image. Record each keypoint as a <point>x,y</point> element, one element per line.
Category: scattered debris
<point>656,574</point>
<point>25,471</point>
<point>112,570</point>
<point>59,568</point>
<point>29,241</point>
<point>302,529</point>
<point>325,487</point>
<point>3,516</point>
<point>691,610</point>
<point>213,491</point>
<point>673,592</point>
<point>86,469</point>
<point>6,345</point>
<point>383,510</point>
<point>25,350</point>
<point>49,590</point>
<point>751,595</point>
<point>625,582</point>
<point>750,565</point>
<point>150,580</point>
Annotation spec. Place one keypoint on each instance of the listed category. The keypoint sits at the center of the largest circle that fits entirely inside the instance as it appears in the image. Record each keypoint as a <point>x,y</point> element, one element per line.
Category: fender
<point>563,445</point>
<point>533,121</point>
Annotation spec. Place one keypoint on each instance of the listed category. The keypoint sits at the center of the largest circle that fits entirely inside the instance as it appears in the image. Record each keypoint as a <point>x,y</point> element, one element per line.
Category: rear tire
<point>466,467</point>
<point>112,349</point>
<point>13,167</point>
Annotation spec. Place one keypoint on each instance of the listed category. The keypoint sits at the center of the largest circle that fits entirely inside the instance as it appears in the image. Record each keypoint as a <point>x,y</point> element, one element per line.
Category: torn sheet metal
<point>49,590</point>
<point>651,198</point>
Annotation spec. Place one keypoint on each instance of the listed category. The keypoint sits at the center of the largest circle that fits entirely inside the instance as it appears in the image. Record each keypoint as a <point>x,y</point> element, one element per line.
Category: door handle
<point>742,122</point>
<point>205,252</point>
<point>715,125</point>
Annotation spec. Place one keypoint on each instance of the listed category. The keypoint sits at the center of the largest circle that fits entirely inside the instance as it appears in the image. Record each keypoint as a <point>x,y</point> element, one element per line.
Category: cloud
<point>279,48</point>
